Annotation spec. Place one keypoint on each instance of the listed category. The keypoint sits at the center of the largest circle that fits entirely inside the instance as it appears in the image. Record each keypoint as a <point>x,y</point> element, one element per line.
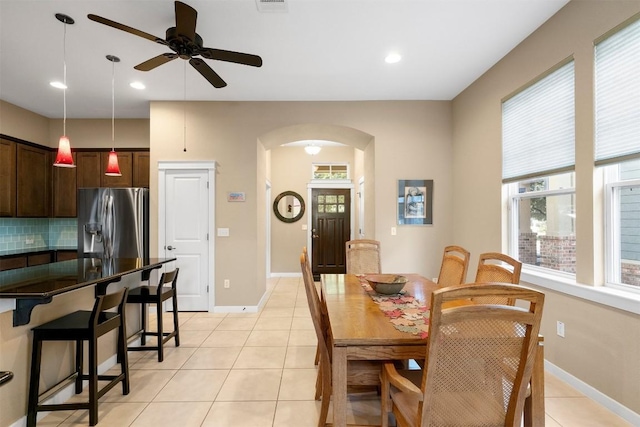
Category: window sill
<point>627,301</point>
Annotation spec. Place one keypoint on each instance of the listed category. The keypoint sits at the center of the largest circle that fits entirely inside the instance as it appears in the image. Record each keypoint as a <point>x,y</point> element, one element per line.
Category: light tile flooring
<point>257,370</point>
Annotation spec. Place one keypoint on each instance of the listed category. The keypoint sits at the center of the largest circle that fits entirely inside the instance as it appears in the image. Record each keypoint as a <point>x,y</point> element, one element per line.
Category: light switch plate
<point>223,232</point>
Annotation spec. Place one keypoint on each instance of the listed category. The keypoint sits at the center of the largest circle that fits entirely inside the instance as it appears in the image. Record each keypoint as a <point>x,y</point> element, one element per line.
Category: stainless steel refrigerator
<point>113,222</point>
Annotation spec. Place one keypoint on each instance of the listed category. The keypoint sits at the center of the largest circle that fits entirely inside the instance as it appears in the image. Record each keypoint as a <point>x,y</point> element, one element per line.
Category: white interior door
<point>187,233</point>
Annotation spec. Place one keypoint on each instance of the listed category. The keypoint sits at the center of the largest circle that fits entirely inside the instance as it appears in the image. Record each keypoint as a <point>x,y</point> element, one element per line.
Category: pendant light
<point>64,159</point>
<point>113,168</point>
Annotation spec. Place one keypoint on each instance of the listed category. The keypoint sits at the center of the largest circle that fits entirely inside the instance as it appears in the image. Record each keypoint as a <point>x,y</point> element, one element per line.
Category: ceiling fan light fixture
<point>64,158</point>
<point>137,85</point>
<point>312,150</point>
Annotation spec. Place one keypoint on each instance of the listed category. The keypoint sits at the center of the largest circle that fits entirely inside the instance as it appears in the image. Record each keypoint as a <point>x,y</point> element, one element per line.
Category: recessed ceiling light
<point>137,85</point>
<point>58,85</point>
<point>392,58</point>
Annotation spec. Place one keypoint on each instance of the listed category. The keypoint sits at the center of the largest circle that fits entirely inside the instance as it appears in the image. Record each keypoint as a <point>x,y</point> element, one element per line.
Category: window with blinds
<point>538,127</point>
<point>617,96</point>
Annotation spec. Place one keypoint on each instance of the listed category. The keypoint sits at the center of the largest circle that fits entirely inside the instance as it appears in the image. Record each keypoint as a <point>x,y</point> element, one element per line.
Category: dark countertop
<point>45,281</point>
<point>25,251</point>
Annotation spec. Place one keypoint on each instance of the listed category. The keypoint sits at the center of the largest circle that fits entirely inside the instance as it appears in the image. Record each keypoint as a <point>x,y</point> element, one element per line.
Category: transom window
<point>328,171</point>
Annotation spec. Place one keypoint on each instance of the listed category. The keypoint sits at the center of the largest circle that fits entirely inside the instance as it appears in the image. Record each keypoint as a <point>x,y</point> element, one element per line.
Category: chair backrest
<point>497,267</point>
<point>453,270</point>
<point>318,315</point>
<point>169,277</point>
<point>479,357</point>
<point>363,256</point>
<point>103,321</point>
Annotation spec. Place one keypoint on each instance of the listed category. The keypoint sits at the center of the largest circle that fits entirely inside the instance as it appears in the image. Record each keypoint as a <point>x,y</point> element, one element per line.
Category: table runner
<point>405,312</point>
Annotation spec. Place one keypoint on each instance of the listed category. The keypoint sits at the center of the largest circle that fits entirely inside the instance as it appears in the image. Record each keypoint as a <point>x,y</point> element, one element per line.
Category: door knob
<point>170,248</point>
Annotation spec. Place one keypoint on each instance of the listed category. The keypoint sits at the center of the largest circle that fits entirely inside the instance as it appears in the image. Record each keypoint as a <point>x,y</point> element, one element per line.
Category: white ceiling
<point>318,50</point>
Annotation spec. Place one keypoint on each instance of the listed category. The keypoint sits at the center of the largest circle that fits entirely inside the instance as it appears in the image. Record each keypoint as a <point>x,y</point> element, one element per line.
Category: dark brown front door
<point>331,228</point>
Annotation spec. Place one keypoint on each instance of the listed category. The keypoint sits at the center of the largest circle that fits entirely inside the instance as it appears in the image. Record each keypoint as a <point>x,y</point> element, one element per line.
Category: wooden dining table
<point>359,330</point>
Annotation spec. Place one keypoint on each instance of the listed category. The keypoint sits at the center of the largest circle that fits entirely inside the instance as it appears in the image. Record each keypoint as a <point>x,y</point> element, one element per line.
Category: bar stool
<point>157,295</point>
<point>82,326</point>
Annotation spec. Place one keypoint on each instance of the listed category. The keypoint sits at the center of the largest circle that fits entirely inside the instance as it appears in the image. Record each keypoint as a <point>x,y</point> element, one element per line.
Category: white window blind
<point>538,127</point>
<point>617,97</point>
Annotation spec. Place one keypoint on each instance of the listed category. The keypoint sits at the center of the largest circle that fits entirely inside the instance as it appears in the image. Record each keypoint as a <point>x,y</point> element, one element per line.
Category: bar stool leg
<point>34,382</point>
<point>79,365</point>
<point>143,323</point>
<point>124,358</point>
<point>160,331</point>
<point>93,382</point>
<point>175,319</point>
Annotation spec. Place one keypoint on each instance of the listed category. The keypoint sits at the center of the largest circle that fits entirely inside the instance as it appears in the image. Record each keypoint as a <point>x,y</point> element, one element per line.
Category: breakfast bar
<point>32,286</point>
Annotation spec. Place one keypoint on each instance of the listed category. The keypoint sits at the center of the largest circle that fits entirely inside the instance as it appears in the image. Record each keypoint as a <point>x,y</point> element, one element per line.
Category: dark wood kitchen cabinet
<point>125,160</point>
<point>88,169</point>
<point>33,169</point>
<point>64,191</point>
<point>141,165</point>
<point>7,178</point>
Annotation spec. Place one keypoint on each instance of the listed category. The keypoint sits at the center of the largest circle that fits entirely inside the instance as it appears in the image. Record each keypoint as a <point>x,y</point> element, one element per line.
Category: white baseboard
<point>286,274</point>
<point>594,394</point>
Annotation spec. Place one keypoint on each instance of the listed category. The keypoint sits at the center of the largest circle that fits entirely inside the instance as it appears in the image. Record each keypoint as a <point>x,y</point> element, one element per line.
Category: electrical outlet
<point>227,283</point>
<point>393,231</point>
<point>560,329</point>
<point>29,241</point>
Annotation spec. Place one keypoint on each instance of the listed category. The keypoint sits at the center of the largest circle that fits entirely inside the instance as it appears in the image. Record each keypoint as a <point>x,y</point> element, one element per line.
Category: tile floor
<point>256,370</point>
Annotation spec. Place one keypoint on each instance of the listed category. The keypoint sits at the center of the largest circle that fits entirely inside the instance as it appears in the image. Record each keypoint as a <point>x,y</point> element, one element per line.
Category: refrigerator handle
<point>108,232</point>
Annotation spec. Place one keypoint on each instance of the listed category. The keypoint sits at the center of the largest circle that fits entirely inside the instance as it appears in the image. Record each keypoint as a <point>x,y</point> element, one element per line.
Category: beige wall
<point>412,141</point>
<point>601,345</point>
<point>23,124</point>
<point>83,133</point>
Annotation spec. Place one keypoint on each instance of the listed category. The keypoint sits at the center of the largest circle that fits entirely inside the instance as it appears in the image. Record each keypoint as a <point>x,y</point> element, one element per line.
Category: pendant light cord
<point>184,109</point>
<point>113,104</point>
<point>64,80</point>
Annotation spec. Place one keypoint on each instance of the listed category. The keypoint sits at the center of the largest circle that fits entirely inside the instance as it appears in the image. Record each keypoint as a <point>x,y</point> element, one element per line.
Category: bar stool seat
<point>157,295</point>
<point>82,326</point>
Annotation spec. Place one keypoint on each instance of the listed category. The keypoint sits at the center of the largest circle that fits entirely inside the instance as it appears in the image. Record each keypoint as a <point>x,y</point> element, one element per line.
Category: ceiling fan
<point>185,44</point>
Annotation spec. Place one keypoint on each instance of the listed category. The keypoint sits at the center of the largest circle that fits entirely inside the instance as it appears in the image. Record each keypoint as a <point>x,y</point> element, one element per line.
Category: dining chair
<point>497,267</point>
<point>479,361</point>
<point>359,373</point>
<point>453,270</point>
<point>363,256</point>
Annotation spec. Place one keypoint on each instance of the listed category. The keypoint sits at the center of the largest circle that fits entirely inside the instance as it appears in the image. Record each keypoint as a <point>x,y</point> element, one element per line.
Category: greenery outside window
<point>328,171</point>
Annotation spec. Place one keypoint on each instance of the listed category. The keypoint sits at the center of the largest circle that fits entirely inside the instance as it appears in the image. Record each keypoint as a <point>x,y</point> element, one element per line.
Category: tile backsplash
<point>36,233</point>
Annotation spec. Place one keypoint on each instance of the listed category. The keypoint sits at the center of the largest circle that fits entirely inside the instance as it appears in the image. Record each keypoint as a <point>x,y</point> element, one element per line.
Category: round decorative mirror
<point>288,206</point>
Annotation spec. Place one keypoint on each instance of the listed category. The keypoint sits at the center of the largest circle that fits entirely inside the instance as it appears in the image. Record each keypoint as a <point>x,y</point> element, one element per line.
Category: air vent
<point>272,5</point>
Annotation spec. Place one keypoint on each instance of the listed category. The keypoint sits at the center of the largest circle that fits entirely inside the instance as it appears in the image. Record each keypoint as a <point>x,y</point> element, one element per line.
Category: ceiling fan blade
<point>186,17</point>
<point>126,28</point>
<point>207,72</point>
<point>230,56</point>
<point>156,62</point>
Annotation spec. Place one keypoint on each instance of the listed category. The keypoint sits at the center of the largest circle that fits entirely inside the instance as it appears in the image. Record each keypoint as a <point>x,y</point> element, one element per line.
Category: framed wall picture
<point>415,202</point>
